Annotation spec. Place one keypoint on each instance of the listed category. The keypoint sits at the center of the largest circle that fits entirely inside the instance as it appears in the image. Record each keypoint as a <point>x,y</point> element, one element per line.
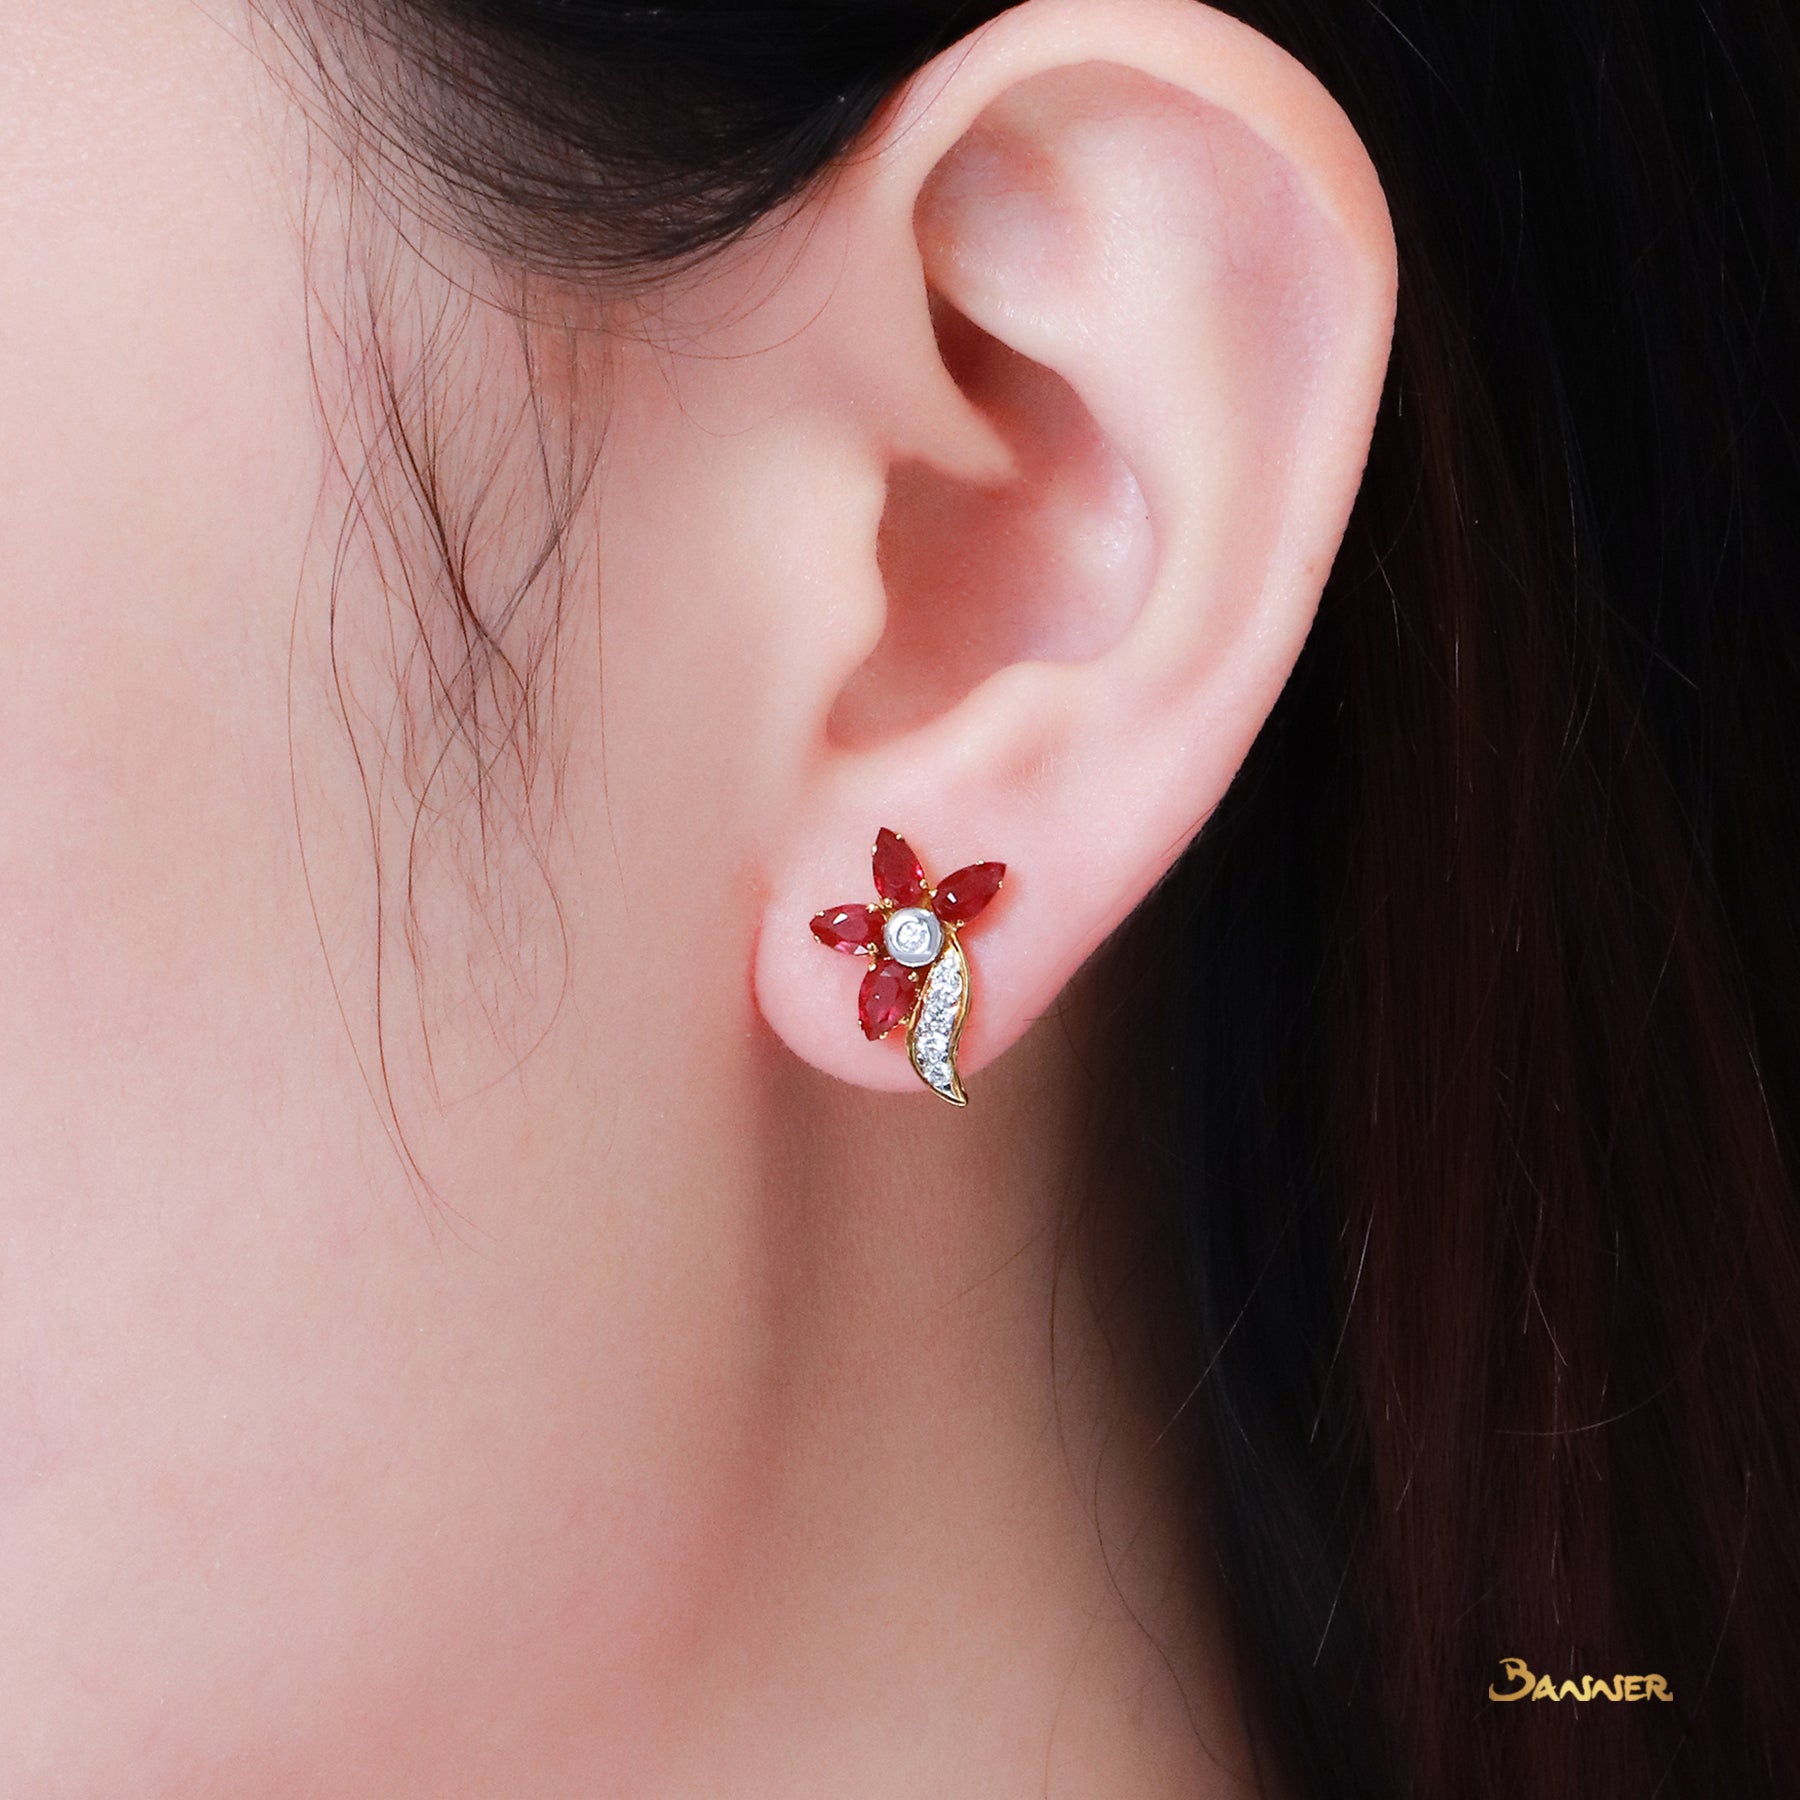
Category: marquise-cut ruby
<point>898,876</point>
<point>888,992</point>
<point>849,928</point>
<point>964,895</point>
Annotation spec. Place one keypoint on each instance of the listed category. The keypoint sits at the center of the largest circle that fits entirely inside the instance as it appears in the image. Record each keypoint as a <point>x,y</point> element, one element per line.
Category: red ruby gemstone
<point>964,895</point>
<point>888,992</point>
<point>898,876</point>
<point>849,928</point>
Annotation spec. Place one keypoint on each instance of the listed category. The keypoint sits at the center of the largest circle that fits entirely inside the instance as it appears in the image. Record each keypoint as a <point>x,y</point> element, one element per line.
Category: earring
<point>918,976</point>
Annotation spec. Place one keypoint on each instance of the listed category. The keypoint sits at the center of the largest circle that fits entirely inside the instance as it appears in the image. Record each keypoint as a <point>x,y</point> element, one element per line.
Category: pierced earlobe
<point>918,975</point>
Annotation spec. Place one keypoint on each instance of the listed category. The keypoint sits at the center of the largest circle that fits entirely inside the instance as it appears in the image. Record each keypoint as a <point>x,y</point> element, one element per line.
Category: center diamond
<point>913,936</point>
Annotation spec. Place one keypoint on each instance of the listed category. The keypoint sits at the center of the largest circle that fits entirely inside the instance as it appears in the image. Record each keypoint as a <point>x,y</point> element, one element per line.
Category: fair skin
<point>643,1387</point>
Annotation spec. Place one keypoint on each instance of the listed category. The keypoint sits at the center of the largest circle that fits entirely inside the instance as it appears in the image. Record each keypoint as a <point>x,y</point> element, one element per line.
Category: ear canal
<point>1049,565</point>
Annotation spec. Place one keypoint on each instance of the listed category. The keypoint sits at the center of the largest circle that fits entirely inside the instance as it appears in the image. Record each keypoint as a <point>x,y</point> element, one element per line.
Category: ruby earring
<point>918,975</point>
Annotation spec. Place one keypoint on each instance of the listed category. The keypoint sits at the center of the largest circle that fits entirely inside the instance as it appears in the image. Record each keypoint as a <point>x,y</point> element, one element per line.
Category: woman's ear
<point>1035,432</point>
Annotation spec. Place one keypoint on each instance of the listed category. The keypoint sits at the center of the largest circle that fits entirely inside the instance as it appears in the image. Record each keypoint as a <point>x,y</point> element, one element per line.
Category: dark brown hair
<point>1459,1056</point>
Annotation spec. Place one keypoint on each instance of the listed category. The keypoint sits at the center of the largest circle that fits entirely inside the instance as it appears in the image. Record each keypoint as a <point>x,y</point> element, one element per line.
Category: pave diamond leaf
<point>931,1042</point>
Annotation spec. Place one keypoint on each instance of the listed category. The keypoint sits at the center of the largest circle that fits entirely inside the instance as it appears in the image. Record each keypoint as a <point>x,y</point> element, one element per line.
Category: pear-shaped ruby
<point>898,876</point>
<point>964,895</point>
<point>849,928</point>
<point>888,992</point>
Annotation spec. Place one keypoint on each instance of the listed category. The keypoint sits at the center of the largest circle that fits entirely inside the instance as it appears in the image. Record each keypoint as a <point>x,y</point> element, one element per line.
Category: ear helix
<point>918,975</point>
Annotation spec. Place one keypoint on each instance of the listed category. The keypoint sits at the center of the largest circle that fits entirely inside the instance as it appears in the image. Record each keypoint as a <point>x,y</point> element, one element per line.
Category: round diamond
<point>913,936</point>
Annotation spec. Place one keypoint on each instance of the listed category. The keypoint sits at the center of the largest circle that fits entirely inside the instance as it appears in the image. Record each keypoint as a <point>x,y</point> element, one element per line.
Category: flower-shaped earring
<point>918,976</point>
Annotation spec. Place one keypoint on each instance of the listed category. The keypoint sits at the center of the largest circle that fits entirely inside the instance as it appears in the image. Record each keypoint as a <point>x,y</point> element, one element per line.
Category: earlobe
<point>1159,272</point>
